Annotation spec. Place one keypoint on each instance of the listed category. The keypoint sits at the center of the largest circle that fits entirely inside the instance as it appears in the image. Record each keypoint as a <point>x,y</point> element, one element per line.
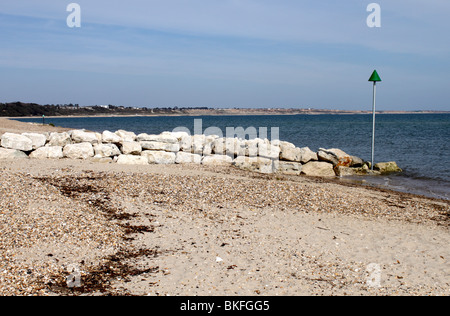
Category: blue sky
<point>226,53</point>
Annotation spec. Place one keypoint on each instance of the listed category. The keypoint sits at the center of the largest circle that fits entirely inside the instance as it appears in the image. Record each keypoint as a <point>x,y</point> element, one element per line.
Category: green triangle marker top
<point>375,77</point>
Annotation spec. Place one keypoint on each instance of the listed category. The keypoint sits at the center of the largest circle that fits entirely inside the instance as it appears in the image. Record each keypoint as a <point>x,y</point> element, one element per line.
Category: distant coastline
<point>32,110</point>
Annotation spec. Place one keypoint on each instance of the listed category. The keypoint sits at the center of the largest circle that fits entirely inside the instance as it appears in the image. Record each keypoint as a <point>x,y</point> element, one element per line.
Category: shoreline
<point>241,112</point>
<point>415,185</point>
<point>212,230</point>
<point>8,125</point>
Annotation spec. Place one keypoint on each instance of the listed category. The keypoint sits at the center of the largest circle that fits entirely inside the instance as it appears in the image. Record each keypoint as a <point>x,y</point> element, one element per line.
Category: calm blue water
<point>419,143</point>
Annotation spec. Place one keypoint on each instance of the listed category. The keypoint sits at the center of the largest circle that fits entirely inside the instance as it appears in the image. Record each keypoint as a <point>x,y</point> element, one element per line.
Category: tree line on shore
<point>18,109</point>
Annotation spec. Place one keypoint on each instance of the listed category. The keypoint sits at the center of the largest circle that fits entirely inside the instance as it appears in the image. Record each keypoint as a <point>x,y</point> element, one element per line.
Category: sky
<point>227,53</point>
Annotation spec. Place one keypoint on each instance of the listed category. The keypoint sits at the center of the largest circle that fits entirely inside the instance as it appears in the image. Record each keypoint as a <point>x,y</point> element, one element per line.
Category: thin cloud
<point>241,49</point>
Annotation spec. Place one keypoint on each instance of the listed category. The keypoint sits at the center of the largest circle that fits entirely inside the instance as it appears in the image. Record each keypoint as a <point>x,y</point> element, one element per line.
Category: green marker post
<point>374,78</point>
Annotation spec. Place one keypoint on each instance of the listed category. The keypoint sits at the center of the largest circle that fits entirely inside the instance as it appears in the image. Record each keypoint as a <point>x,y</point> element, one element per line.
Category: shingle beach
<point>78,227</point>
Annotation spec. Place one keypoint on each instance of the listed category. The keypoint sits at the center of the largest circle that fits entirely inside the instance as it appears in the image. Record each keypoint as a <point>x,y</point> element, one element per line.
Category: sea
<point>419,143</point>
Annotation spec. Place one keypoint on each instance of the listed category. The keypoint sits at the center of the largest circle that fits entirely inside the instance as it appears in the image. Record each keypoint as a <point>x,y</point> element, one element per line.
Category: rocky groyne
<point>124,147</point>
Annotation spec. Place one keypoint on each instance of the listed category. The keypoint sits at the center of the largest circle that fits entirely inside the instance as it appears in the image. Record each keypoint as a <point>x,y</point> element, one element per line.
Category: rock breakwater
<point>124,147</point>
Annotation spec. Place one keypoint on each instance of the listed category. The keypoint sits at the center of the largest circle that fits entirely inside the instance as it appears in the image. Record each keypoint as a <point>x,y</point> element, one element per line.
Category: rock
<point>59,139</point>
<point>17,142</point>
<point>256,164</point>
<point>318,169</point>
<point>252,147</point>
<point>183,158</point>
<point>342,171</point>
<point>230,146</point>
<point>356,171</point>
<point>186,144</point>
<point>179,135</point>
<point>81,136</point>
<point>78,151</point>
<point>225,146</point>
<point>217,160</point>
<point>325,155</point>
<point>290,153</point>
<point>126,136</point>
<point>37,140</point>
<point>286,150</point>
<point>387,167</point>
<point>106,150</point>
<point>50,152</point>
<point>208,146</point>
<point>159,146</point>
<point>335,156</point>
<point>167,138</point>
<point>287,167</point>
<point>198,143</point>
<point>41,153</point>
<point>132,160</point>
<point>143,137</point>
<point>218,146</point>
<point>306,155</point>
<point>240,147</point>
<point>109,137</point>
<point>267,150</point>
<point>162,138</point>
<point>11,154</point>
<point>356,162</point>
<point>159,157</point>
<point>131,148</point>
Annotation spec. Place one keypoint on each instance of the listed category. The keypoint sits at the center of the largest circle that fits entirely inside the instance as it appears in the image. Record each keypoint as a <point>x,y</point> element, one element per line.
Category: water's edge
<point>407,139</point>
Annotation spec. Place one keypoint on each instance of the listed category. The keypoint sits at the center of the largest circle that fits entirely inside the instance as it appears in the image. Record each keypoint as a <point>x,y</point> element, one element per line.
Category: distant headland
<point>20,109</point>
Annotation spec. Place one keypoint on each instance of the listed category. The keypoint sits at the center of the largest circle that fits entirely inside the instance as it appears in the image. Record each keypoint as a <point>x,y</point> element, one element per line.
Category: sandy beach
<point>72,227</point>
<point>11,126</point>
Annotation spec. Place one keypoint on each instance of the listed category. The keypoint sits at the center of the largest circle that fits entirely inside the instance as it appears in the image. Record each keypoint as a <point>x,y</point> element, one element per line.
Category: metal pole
<point>373,129</point>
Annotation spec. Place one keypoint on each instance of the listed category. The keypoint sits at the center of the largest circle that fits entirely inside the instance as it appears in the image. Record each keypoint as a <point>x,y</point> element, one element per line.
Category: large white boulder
<point>307,155</point>
<point>17,142</point>
<point>218,146</point>
<point>283,145</point>
<point>236,146</point>
<point>198,142</point>
<point>163,138</point>
<point>109,137</point>
<point>181,136</point>
<point>132,160</point>
<point>159,157</point>
<point>268,150</point>
<point>78,151</point>
<point>106,150</point>
<point>59,139</point>
<point>80,136</point>
<point>184,158</point>
<point>252,147</point>
<point>126,136</point>
<point>51,152</point>
<point>217,160</point>
<point>318,169</point>
<point>11,154</point>
<point>37,140</point>
<point>160,146</point>
<point>287,167</point>
<point>131,148</point>
<point>291,154</point>
<point>257,164</point>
